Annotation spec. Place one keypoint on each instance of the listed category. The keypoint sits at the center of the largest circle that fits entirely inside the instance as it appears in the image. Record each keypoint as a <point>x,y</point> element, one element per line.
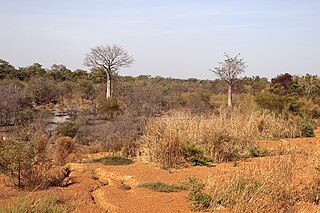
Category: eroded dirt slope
<point>98,188</point>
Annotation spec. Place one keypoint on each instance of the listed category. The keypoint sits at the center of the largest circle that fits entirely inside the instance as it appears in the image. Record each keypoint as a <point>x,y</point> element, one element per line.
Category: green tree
<point>60,72</point>
<point>35,70</point>
<point>6,70</point>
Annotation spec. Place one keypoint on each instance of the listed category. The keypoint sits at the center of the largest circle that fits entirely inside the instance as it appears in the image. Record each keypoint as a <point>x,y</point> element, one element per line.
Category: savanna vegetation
<point>173,123</point>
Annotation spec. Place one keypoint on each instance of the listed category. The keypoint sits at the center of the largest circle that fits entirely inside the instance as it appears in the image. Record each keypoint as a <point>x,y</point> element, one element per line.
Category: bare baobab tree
<point>110,59</point>
<point>229,70</point>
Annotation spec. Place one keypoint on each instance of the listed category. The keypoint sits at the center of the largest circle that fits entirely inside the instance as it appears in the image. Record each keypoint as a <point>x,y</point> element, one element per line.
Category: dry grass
<point>262,188</point>
<point>227,135</point>
<point>33,205</point>
<point>64,146</point>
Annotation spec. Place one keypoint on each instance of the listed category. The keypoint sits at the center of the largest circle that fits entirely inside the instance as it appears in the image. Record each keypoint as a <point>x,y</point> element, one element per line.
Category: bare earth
<point>99,188</point>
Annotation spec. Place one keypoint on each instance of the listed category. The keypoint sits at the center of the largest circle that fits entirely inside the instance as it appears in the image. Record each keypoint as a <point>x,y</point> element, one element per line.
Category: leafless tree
<point>229,70</point>
<point>110,59</point>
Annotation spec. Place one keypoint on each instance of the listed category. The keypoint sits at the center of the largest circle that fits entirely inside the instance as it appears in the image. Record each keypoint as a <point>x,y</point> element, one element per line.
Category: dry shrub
<point>265,188</point>
<point>27,164</point>
<point>64,146</point>
<point>226,135</point>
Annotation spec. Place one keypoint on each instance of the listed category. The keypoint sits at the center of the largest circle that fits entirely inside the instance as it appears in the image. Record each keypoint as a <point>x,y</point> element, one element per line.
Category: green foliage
<point>307,127</point>
<point>113,160</point>
<point>162,187</point>
<point>198,198</point>
<point>67,128</point>
<point>271,102</point>
<point>257,151</point>
<point>35,70</point>
<point>195,155</point>
<point>60,72</point>
<point>294,104</point>
<point>6,70</point>
<point>98,75</point>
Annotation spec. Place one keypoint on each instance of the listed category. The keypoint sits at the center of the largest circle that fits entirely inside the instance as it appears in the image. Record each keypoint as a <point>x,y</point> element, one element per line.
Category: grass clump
<point>51,205</point>
<point>198,198</point>
<point>266,189</point>
<point>312,192</point>
<point>222,137</point>
<point>162,187</point>
<point>113,160</point>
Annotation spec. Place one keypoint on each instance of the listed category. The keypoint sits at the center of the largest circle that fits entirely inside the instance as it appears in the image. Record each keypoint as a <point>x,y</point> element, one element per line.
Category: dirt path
<point>99,188</point>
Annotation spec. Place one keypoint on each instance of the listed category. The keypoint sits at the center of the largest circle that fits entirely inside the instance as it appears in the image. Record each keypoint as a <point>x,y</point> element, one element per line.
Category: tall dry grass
<point>264,188</point>
<point>226,135</point>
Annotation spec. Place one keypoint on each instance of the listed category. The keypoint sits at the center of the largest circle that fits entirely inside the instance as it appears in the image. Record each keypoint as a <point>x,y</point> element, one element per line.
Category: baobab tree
<point>229,70</point>
<point>110,59</point>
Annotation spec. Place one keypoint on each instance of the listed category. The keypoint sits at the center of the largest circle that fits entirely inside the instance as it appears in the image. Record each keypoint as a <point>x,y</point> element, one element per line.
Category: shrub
<point>25,161</point>
<point>108,106</point>
<point>195,155</point>
<point>198,198</point>
<point>270,101</point>
<point>307,127</point>
<point>64,146</point>
<point>43,91</point>
<point>68,129</point>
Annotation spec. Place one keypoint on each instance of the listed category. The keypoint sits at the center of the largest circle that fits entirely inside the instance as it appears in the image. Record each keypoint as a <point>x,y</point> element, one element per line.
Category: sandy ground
<point>100,188</point>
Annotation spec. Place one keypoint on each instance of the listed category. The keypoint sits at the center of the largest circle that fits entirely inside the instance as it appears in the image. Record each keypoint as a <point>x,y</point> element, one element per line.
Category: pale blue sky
<point>171,38</point>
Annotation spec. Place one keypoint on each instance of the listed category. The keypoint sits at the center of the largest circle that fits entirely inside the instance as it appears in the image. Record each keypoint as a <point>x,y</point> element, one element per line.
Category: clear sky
<point>170,38</point>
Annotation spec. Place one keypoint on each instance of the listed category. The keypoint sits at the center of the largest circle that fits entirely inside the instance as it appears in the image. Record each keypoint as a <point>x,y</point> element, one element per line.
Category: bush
<point>43,91</point>
<point>307,128</point>
<point>271,101</point>
<point>64,146</point>
<point>25,162</point>
<point>108,106</point>
<point>195,155</point>
<point>68,129</point>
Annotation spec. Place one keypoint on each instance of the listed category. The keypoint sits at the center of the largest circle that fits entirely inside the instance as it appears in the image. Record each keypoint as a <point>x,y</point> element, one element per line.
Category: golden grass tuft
<point>261,188</point>
<point>224,136</point>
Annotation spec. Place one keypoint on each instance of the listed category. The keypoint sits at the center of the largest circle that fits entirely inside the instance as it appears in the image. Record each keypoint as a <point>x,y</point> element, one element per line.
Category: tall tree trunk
<point>108,89</point>
<point>230,96</point>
